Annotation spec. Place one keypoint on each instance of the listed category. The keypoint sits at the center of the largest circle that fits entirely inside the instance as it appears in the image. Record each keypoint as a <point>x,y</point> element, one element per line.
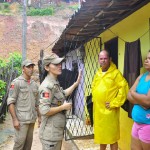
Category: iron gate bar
<point>77,126</point>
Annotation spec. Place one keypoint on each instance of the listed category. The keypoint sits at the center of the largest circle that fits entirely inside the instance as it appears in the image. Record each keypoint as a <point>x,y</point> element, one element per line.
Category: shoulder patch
<point>12,86</point>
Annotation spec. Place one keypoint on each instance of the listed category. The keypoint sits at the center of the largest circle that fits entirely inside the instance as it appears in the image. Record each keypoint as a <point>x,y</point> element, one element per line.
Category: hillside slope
<point>41,33</point>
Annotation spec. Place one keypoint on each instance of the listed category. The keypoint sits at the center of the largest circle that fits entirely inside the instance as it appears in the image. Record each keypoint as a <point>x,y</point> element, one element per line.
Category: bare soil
<point>7,134</point>
<point>42,32</point>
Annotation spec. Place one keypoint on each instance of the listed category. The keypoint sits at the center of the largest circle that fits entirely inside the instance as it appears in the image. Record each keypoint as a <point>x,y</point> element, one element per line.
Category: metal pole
<point>24,31</point>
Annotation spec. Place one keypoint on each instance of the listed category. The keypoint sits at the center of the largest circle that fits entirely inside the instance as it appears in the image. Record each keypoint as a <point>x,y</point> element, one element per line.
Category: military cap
<point>27,62</point>
<point>52,58</point>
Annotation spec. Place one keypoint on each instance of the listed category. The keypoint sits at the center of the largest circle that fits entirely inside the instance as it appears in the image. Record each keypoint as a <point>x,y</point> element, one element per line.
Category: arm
<point>133,88</point>
<point>93,85</point>
<point>12,98</point>
<point>69,90</point>
<point>39,116</point>
<point>45,108</point>
<point>37,105</point>
<point>136,98</point>
<point>141,99</point>
<point>16,123</point>
<point>55,110</point>
<point>121,96</point>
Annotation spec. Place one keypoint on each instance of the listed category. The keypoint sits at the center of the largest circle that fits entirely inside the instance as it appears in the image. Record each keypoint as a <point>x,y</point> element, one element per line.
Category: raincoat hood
<point>111,67</point>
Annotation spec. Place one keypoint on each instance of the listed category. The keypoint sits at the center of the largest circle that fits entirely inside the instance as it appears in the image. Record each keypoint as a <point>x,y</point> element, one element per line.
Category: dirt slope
<point>41,32</point>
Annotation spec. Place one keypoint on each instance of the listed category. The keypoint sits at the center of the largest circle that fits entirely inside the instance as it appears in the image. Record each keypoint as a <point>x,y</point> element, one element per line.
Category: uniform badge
<point>10,93</point>
<point>59,103</point>
<point>45,95</point>
<point>12,86</point>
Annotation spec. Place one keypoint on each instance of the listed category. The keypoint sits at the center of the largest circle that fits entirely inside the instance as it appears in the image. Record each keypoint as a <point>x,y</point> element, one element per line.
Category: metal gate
<point>79,120</point>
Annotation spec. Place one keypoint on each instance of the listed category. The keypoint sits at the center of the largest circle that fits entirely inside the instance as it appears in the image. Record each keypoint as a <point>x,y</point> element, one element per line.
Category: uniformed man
<point>52,104</point>
<point>23,106</point>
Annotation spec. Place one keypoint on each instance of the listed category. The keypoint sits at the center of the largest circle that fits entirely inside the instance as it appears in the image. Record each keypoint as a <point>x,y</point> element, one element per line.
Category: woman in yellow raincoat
<point>109,92</point>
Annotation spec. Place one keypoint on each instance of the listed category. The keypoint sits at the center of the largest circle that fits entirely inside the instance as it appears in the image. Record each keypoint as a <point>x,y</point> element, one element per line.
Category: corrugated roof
<point>92,19</point>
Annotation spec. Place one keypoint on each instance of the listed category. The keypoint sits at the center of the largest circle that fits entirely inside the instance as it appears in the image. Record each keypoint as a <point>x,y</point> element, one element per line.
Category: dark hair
<point>43,75</point>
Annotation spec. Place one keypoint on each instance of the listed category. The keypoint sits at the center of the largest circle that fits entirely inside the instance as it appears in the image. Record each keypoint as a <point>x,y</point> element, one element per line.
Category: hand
<point>79,78</point>
<point>129,97</point>
<point>16,124</point>
<point>131,92</point>
<point>107,104</point>
<point>67,106</point>
<point>145,107</point>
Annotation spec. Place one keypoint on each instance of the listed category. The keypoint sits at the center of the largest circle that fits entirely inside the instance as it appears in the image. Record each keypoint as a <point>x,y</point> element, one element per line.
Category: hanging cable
<point>45,48</point>
<point>116,35</point>
<point>137,38</point>
<point>51,44</point>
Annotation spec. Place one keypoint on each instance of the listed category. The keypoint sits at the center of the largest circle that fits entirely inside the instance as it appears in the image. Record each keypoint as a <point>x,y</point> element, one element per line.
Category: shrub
<point>74,7</point>
<point>33,12</point>
<point>2,89</point>
<point>2,63</point>
<point>5,8</point>
<point>6,5</point>
<point>46,11</point>
<point>6,11</point>
<point>40,12</point>
<point>15,59</point>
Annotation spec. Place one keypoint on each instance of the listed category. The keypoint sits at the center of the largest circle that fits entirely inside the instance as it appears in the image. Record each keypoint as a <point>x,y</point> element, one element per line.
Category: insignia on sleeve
<point>12,86</point>
<point>10,93</point>
<point>59,103</point>
<point>45,95</point>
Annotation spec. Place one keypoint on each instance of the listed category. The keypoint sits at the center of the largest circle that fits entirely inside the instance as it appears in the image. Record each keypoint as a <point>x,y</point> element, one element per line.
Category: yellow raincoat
<point>108,87</point>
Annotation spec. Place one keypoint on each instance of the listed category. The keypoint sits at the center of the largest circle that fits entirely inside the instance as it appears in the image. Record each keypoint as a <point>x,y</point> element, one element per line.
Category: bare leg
<point>136,144</point>
<point>103,146</point>
<point>114,146</point>
<point>145,146</point>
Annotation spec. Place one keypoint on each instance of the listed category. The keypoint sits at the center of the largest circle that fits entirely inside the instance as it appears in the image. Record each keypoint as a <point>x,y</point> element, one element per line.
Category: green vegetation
<point>2,89</point>
<point>74,7</point>
<point>40,12</point>
<point>4,8</point>
<point>64,6</point>
<point>6,5</point>
<point>14,62</point>
<point>2,63</point>
<point>47,10</point>
<point>15,59</point>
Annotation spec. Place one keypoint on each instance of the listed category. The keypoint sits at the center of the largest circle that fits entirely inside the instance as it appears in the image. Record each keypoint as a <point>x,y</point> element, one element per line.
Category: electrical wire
<point>127,41</point>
